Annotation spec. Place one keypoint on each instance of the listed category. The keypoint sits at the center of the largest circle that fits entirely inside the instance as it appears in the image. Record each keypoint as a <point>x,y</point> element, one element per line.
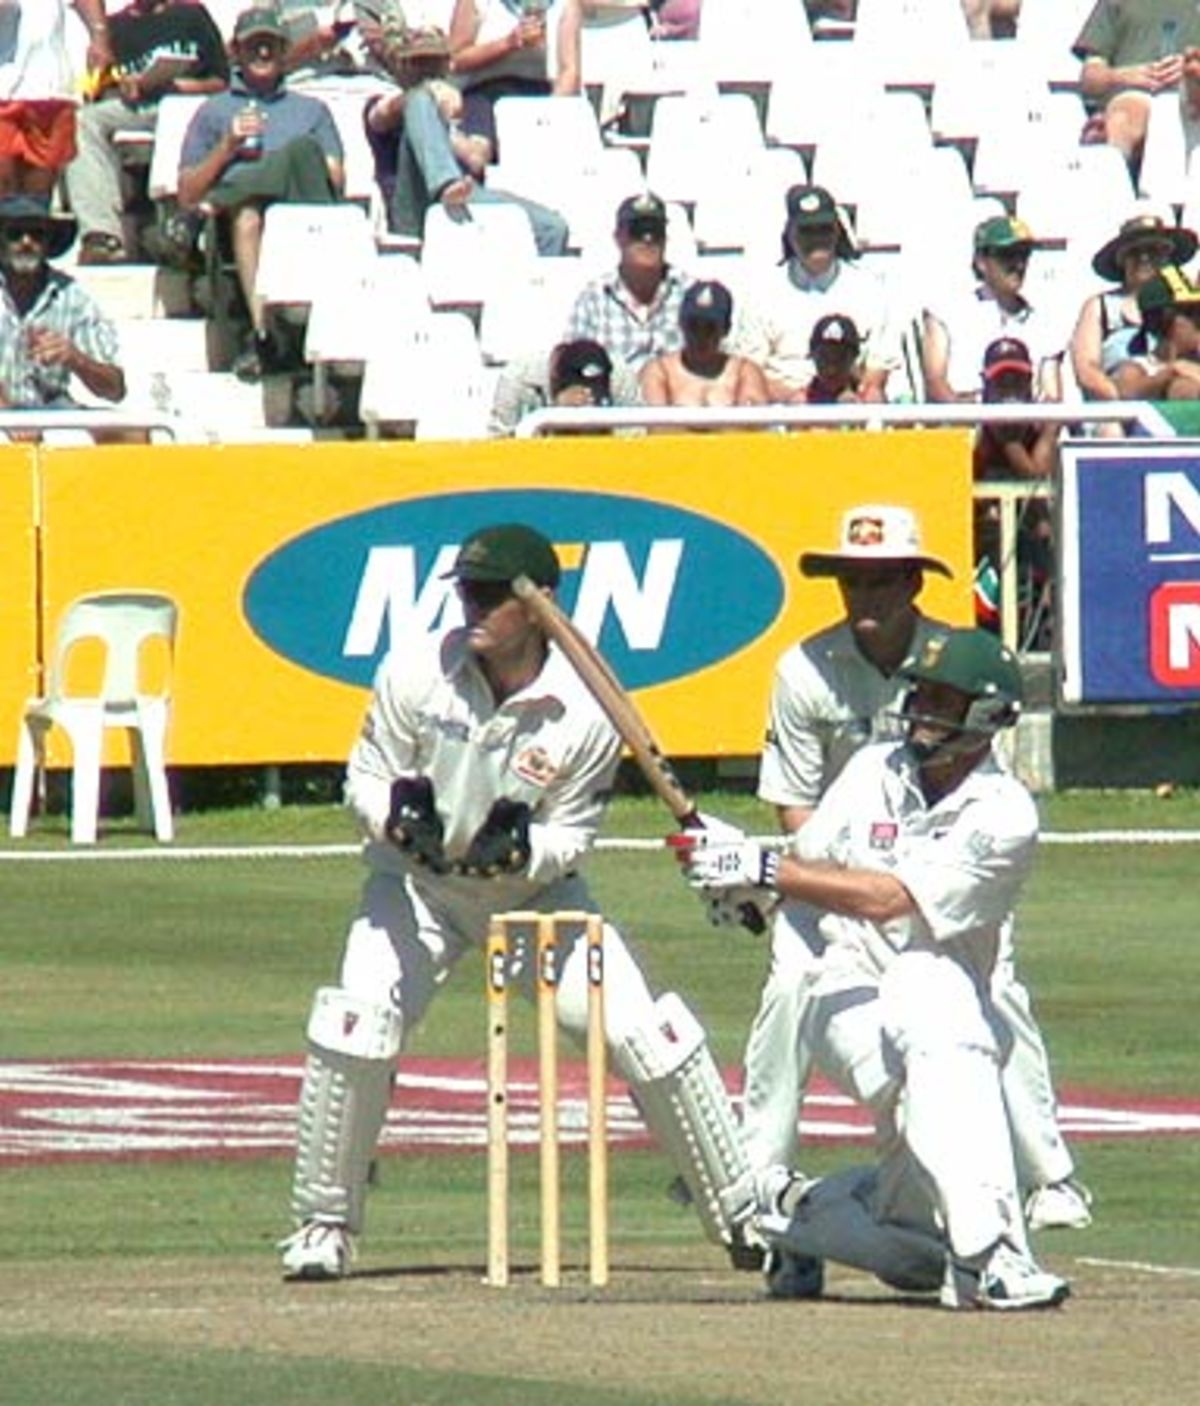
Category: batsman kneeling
<point>479,780</point>
<point>901,884</point>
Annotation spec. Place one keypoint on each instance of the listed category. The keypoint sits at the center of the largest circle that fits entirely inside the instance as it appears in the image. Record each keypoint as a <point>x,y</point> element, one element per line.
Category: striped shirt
<point>61,306</point>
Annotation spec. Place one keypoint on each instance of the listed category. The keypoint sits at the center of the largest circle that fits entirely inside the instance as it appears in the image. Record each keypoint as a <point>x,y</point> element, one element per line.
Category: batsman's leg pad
<point>679,1091</point>
<point>352,1047</point>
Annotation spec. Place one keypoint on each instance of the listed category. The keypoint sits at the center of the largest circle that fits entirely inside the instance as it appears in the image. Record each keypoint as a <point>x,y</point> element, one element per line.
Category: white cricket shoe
<point>1064,1205</point>
<point>317,1250</point>
<point>1006,1280</point>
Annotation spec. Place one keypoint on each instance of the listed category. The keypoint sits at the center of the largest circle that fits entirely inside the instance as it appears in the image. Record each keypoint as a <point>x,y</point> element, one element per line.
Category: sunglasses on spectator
<point>484,595</point>
<point>15,233</point>
<point>1149,253</point>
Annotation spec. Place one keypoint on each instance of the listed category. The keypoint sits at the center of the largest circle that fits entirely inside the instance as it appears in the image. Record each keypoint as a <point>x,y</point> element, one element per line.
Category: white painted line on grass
<point>612,843</point>
<point>1184,1271</point>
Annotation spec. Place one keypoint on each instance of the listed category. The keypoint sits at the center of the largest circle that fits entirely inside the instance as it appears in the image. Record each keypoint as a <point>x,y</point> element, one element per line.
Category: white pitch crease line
<point>1141,1267</point>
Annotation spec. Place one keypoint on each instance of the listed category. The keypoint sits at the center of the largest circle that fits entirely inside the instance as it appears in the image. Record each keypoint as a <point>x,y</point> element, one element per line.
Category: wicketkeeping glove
<point>501,844</point>
<point>413,824</point>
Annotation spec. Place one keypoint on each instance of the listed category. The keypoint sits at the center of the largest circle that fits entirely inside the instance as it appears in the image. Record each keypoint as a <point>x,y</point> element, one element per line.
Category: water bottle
<point>251,148</point>
<point>160,396</point>
<point>1168,38</point>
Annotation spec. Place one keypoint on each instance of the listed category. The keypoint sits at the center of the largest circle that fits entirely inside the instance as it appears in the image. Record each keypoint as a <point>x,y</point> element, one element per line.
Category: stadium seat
<point>462,259</point>
<point>133,695</point>
<point>1163,175</point>
<point>754,40</point>
<point>744,209</point>
<point>694,141</point>
<point>421,373</point>
<point>522,316</point>
<point>175,112</point>
<point>306,246</point>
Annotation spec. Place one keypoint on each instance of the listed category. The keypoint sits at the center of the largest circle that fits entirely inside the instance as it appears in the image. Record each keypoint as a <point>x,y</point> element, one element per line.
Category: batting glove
<point>501,844</point>
<point>413,824</point>
<point>730,864</point>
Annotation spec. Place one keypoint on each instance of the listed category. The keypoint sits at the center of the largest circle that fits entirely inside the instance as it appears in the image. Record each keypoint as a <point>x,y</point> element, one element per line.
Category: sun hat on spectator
<point>1004,355</point>
<point>812,207</point>
<point>582,363</point>
<point>1145,228</point>
<point>641,215</point>
<point>26,211</point>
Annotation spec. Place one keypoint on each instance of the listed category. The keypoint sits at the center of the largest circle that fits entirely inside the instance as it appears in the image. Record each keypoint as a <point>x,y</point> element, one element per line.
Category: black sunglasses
<point>485,595</point>
<point>15,233</point>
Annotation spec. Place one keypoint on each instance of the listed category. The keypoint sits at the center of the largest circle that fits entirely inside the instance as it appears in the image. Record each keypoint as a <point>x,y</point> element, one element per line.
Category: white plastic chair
<point>305,247</point>
<point>123,622</point>
<point>695,140</point>
<point>463,258</point>
<point>423,369</point>
<point>175,113</point>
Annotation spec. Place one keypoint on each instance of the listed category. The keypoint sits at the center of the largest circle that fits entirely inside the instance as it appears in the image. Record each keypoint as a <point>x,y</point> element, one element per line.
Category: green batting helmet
<point>975,663</point>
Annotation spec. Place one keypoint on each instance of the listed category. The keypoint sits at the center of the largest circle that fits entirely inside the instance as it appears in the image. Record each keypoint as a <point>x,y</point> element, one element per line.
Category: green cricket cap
<point>505,551</point>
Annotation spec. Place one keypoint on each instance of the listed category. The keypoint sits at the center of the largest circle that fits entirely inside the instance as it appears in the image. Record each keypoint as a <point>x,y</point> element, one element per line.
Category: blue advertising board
<point>1130,572</point>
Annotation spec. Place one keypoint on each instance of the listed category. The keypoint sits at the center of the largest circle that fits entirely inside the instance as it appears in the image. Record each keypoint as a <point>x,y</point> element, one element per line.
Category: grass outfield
<point>138,1283</point>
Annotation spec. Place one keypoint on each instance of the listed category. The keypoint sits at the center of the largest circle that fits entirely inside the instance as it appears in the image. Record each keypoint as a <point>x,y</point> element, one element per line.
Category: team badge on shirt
<point>882,834</point>
<point>534,765</point>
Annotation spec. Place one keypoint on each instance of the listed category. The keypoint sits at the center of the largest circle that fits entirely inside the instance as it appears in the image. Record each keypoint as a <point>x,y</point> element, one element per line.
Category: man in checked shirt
<point>633,310</point>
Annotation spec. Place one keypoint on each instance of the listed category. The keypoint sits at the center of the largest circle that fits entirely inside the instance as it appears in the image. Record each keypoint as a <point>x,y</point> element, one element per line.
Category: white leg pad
<point>352,1047</point>
<point>684,1103</point>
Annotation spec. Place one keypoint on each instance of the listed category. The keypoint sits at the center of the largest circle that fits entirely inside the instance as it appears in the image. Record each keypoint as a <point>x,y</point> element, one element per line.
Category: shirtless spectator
<point>702,372</point>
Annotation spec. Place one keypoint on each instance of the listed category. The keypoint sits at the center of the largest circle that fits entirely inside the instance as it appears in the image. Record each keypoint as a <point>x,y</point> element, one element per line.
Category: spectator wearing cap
<point>953,338</point>
<point>835,349</point>
<point>1004,452</point>
<point>255,145</point>
<point>819,275</point>
<point>51,329</point>
<point>1164,361</point>
<point>159,47</point>
<point>574,373</point>
<point>505,48</point>
<point>1130,51</point>
<point>37,105</point>
<point>702,372</point>
<point>1110,319</point>
<point>422,154</point>
<point>633,311</point>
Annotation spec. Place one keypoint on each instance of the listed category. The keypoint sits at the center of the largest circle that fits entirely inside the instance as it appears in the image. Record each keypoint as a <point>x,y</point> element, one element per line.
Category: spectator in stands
<point>1110,319</point>
<point>1131,50</point>
<point>158,47</point>
<point>507,47</point>
<point>51,329</point>
<point>37,107</point>
<point>818,275</point>
<point>835,349</point>
<point>953,338</point>
<point>675,19</point>
<point>422,154</point>
<point>573,370</point>
<point>1004,452</point>
<point>253,145</point>
<point>1164,363</point>
<point>991,19</point>
<point>634,311</point>
<point>702,372</point>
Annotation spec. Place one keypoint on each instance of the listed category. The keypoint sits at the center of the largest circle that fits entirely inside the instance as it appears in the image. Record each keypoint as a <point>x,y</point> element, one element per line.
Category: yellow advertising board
<point>19,643</point>
<point>295,568</point>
